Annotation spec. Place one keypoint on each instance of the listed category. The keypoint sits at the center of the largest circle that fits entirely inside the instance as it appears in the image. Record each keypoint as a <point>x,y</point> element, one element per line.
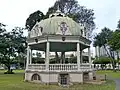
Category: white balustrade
<point>59,67</point>
<point>85,67</point>
<point>62,67</point>
<point>36,66</point>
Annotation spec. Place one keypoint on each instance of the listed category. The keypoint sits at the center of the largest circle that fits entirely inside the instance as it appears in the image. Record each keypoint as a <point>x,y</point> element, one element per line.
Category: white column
<point>81,59</point>
<point>78,55</point>
<point>28,56</point>
<point>89,53</point>
<point>47,55</point>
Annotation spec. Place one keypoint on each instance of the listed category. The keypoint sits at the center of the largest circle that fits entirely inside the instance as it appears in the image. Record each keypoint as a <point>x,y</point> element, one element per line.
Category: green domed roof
<point>56,24</point>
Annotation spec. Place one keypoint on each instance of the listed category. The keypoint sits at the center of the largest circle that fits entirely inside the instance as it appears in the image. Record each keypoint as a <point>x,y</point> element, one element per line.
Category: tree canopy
<point>11,44</point>
<point>36,16</point>
<point>103,37</point>
<point>102,60</point>
<point>114,42</point>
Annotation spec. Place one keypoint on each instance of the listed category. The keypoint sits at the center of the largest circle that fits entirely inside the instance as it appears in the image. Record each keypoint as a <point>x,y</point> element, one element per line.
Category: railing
<point>85,67</point>
<point>63,67</point>
<point>36,66</point>
<point>59,67</point>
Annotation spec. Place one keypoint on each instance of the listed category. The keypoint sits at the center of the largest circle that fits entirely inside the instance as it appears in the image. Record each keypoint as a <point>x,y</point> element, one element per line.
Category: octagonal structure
<point>58,33</point>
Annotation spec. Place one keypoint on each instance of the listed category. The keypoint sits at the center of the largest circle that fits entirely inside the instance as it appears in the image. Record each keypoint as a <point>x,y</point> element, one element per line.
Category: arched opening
<point>36,77</point>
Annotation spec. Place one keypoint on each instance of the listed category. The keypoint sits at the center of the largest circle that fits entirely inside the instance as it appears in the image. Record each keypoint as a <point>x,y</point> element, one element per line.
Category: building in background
<point>102,52</point>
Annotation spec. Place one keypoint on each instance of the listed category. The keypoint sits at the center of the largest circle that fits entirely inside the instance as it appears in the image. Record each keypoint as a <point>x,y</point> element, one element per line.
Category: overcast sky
<point>15,12</point>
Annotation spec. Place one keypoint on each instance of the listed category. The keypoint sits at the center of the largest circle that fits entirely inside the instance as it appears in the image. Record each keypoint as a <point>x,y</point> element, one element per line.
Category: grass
<point>110,73</point>
<point>16,82</point>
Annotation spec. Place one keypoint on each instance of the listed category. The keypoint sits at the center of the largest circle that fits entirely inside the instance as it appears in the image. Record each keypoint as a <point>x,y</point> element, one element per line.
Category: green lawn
<point>16,82</point>
<point>110,73</point>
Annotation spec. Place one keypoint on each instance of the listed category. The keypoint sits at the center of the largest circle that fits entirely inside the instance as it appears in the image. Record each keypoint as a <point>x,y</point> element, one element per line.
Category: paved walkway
<point>117,82</point>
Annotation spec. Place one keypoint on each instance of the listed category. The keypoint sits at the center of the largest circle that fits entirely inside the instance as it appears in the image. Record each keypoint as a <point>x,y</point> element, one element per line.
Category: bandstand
<point>58,33</point>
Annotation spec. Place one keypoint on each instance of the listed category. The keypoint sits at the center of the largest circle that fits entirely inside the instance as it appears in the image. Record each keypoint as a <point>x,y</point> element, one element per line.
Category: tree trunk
<point>118,59</point>
<point>9,70</point>
<point>62,57</point>
<point>110,56</point>
<point>57,57</point>
<point>117,55</point>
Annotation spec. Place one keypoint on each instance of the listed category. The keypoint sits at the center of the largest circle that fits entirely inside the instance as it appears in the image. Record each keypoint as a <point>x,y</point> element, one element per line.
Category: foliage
<point>21,61</point>
<point>37,58</point>
<point>33,18</point>
<point>103,37</point>
<point>11,44</point>
<point>102,60</point>
<point>114,42</point>
<point>118,26</point>
<point>38,55</point>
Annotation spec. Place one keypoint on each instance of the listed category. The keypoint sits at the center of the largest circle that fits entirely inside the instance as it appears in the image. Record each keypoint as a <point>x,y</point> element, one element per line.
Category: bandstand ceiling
<point>58,47</point>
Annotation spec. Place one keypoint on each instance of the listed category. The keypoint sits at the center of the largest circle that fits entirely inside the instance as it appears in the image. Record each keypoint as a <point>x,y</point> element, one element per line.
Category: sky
<point>107,12</point>
<point>15,12</point>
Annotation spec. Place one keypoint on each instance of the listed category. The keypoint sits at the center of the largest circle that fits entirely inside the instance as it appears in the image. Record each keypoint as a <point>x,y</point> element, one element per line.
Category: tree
<point>102,39</point>
<point>38,54</point>
<point>10,45</point>
<point>78,13</point>
<point>33,18</point>
<point>118,25</point>
<point>114,42</point>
